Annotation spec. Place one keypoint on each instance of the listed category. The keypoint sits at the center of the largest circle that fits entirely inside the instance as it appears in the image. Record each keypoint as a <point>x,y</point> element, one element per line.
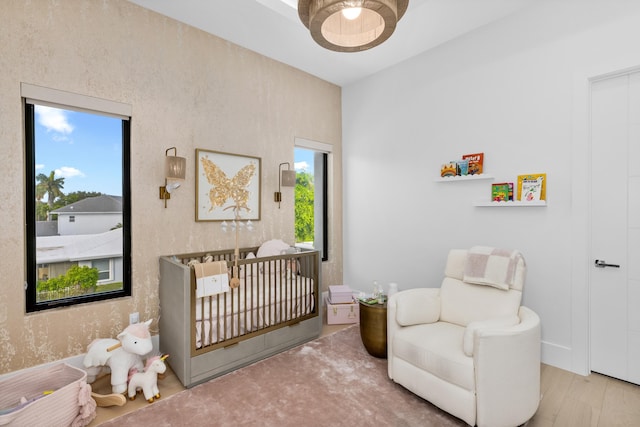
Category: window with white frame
<point>311,160</point>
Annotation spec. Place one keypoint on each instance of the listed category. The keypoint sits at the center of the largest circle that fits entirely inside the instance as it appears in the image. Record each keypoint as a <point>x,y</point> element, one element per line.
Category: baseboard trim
<point>75,361</point>
<point>557,355</point>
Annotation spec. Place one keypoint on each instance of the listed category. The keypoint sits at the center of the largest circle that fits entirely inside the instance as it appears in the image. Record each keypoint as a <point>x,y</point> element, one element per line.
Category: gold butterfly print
<point>224,188</point>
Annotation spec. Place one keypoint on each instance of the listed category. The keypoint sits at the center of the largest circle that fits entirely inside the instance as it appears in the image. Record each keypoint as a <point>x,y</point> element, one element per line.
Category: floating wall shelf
<point>511,204</point>
<point>459,178</point>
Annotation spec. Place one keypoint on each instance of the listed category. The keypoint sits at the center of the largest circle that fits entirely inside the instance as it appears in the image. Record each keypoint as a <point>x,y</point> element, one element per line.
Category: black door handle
<point>602,264</point>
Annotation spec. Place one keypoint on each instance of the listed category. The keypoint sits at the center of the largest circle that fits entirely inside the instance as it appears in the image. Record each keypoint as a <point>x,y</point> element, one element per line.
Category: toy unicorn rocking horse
<point>120,355</point>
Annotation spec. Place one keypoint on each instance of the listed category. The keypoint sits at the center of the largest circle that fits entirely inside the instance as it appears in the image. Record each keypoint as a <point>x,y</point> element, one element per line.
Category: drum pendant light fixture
<point>351,25</point>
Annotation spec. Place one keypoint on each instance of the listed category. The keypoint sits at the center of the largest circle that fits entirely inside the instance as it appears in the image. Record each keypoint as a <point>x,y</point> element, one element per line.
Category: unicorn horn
<point>164,357</point>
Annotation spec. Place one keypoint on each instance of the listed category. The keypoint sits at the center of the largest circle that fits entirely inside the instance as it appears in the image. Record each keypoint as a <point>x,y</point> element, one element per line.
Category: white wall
<point>517,91</point>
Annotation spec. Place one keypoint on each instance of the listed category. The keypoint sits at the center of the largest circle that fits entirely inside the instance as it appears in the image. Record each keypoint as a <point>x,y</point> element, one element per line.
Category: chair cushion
<point>462,303</point>
<point>436,348</point>
<point>455,263</point>
<point>413,310</point>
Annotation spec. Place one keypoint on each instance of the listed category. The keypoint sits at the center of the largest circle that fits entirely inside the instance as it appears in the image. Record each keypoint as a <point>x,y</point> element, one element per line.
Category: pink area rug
<point>331,381</point>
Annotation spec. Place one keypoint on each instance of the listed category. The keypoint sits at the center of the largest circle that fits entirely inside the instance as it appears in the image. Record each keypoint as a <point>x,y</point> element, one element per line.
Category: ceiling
<point>272,28</point>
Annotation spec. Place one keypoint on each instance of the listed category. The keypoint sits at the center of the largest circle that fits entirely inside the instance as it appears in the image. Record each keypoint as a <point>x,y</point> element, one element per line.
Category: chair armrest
<point>413,306</point>
<point>473,328</point>
<point>507,369</point>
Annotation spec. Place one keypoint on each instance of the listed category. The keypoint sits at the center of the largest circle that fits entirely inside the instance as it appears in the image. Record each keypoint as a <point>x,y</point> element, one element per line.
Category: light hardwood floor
<point>568,399</point>
<point>571,400</point>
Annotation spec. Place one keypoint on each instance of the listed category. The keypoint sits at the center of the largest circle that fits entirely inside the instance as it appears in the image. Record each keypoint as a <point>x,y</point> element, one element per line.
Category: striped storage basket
<point>55,395</point>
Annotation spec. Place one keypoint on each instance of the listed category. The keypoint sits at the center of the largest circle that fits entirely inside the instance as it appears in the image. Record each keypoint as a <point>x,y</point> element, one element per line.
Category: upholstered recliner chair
<point>469,347</point>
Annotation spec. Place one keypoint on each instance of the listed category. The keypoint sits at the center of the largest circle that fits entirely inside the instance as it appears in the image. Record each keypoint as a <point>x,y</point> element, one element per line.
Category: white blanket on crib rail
<point>211,278</point>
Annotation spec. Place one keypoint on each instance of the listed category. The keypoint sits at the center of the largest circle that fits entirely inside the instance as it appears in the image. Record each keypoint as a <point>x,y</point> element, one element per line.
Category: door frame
<point>581,262</point>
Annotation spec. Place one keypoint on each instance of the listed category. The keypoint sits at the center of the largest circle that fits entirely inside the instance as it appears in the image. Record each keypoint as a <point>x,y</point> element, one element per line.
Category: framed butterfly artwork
<point>227,186</point>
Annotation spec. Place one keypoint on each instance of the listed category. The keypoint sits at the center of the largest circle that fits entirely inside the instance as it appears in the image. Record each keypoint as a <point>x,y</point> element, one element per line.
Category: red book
<point>475,162</point>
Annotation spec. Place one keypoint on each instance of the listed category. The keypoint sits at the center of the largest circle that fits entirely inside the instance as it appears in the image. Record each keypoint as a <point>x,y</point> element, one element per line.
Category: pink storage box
<point>340,294</point>
<point>342,314</point>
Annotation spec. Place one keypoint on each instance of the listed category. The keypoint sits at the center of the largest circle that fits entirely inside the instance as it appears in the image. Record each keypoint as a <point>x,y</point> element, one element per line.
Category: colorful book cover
<point>449,169</point>
<point>463,167</point>
<point>500,192</point>
<point>532,187</point>
<point>475,163</point>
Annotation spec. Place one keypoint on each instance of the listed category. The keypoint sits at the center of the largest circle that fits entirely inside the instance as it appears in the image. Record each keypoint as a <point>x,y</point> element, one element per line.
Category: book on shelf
<point>532,187</point>
<point>462,167</point>
<point>476,162</point>
<point>449,169</point>
<point>502,192</point>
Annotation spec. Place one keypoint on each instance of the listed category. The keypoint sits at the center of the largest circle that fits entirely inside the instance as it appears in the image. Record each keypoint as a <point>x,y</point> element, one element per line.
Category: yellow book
<point>532,187</point>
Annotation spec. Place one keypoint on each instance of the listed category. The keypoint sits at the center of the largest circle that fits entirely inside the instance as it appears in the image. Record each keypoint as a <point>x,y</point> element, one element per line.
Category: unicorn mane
<point>140,330</point>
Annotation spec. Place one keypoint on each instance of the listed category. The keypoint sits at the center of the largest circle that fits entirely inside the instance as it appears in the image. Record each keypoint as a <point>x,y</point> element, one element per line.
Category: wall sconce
<point>286,178</point>
<point>174,168</point>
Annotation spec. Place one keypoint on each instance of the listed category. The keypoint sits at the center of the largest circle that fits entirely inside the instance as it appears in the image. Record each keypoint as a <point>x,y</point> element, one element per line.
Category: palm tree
<point>49,185</point>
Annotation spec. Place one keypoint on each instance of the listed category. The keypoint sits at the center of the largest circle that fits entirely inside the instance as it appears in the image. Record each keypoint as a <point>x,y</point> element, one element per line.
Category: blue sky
<point>303,160</point>
<point>85,149</point>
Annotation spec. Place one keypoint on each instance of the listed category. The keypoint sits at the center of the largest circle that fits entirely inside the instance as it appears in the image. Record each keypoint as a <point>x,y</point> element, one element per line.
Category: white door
<point>615,227</point>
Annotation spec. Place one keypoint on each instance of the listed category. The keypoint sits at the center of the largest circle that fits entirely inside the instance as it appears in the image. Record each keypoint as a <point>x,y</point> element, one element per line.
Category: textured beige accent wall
<point>187,89</point>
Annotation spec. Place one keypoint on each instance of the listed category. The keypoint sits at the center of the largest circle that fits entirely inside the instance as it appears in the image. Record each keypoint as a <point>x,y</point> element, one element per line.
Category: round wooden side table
<point>373,328</point>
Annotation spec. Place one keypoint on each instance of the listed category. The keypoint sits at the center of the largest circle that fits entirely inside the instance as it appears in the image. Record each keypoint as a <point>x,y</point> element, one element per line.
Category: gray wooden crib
<point>275,307</point>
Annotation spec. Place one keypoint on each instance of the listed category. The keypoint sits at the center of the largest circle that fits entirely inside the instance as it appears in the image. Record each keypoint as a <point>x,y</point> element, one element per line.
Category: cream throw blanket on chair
<point>491,266</point>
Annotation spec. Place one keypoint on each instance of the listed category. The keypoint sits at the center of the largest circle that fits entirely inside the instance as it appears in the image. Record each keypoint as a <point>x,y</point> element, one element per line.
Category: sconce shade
<point>175,167</point>
<point>332,30</point>
<point>288,178</point>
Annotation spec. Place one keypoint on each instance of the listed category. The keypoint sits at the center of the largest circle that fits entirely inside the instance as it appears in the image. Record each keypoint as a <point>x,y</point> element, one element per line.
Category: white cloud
<point>301,166</point>
<point>38,167</point>
<point>68,172</point>
<point>53,119</point>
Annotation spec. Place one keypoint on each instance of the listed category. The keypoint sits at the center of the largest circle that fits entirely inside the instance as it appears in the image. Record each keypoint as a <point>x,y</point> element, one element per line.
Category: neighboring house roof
<point>99,204</point>
<point>51,249</point>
